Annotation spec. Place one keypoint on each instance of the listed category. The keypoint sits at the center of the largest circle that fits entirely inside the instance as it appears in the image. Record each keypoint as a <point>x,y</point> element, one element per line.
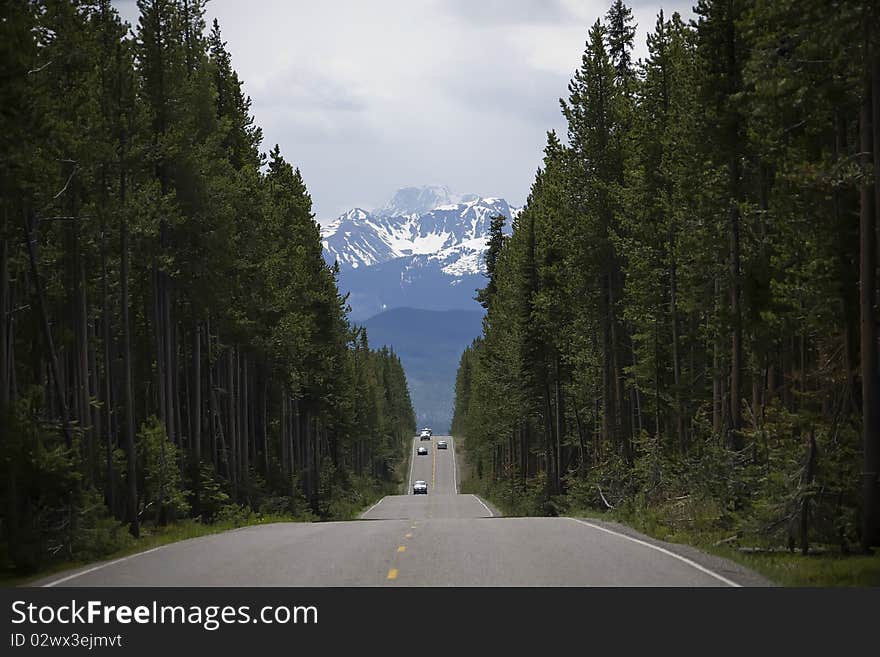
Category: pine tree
<point>495,244</point>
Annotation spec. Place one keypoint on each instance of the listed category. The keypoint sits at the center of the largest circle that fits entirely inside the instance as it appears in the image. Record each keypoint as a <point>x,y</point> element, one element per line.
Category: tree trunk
<point>809,474</point>
<point>676,366</point>
<point>30,224</point>
<point>5,318</point>
<point>231,416</point>
<point>616,367</point>
<point>245,419</point>
<point>174,334</point>
<point>285,437</point>
<point>266,428</point>
<point>128,392</point>
<point>736,325</point>
<point>81,331</point>
<point>607,372</point>
<point>582,442</point>
<point>168,351</point>
<point>197,394</point>
<point>212,428</point>
<point>717,395</point>
<point>160,346</point>
<point>549,438</point>
<point>868,325</point>
<point>657,430</point>
<point>560,425</point>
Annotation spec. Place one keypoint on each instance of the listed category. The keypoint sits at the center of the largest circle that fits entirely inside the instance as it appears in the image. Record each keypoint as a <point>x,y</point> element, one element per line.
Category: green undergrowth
<point>822,566</point>
<point>339,500</point>
<point>510,499</point>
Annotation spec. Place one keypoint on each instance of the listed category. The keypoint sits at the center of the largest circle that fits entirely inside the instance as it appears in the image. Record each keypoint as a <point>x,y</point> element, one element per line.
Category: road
<point>440,539</point>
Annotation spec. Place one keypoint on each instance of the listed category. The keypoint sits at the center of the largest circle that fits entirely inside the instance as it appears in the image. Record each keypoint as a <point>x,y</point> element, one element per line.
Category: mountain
<point>411,269</point>
<point>423,248</point>
<point>429,344</point>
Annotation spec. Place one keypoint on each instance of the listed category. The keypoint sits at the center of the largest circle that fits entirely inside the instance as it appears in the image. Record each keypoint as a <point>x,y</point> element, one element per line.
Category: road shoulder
<point>725,567</point>
<point>486,503</point>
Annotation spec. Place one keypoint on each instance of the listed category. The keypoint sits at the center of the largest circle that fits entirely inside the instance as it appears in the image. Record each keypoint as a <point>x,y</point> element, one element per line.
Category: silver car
<point>420,487</point>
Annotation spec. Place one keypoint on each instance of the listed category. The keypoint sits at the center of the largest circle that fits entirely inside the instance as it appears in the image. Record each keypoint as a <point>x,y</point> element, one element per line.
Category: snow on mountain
<point>354,239</point>
<point>360,238</point>
<point>423,249</point>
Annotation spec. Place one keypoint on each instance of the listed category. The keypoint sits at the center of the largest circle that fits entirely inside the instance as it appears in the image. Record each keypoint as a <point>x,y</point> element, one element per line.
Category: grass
<point>814,570</point>
<point>151,537</point>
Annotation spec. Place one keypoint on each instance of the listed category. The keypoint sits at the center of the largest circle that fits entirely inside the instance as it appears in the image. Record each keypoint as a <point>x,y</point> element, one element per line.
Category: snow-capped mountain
<point>451,232</point>
<point>420,252</point>
<point>423,249</point>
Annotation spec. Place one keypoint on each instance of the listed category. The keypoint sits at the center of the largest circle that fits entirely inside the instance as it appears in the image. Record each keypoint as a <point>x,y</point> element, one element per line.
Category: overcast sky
<point>369,96</point>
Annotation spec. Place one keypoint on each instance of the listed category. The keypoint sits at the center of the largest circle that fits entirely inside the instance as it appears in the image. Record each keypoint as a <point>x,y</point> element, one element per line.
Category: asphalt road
<point>439,539</point>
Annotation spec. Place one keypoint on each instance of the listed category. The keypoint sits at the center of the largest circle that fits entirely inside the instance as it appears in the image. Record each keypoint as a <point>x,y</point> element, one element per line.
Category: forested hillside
<point>429,343</point>
<point>172,343</point>
<point>684,320</point>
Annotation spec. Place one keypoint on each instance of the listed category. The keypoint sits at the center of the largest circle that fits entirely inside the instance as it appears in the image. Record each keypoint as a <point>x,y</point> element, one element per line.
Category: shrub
<point>163,493</point>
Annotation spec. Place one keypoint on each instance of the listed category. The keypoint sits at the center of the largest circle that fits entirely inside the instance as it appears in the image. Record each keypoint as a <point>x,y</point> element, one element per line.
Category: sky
<point>366,97</point>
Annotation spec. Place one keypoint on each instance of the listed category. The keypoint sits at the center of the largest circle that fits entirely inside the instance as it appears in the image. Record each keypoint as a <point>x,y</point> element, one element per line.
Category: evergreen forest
<point>682,327</point>
<point>173,347</point>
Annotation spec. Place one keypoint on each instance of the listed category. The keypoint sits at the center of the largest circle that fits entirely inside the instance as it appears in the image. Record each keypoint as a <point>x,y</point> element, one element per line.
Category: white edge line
<point>382,499</point>
<point>491,515</point>
<point>693,564</point>
<point>100,566</point>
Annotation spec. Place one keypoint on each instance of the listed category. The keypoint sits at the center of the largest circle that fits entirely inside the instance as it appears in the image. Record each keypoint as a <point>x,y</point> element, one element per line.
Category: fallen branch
<point>37,70</point>
<point>602,495</point>
<point>67,184</point>
<point>779,550</point>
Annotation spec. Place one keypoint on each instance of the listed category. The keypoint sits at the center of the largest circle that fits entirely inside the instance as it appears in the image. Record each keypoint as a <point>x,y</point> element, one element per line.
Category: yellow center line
<point>401,548</point>
<point>433,467</point>
<point>392,574</point>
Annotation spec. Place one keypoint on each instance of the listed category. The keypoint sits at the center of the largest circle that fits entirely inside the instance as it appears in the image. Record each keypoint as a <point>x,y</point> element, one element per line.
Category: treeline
<point>684,320</point>
<point>173,344</point>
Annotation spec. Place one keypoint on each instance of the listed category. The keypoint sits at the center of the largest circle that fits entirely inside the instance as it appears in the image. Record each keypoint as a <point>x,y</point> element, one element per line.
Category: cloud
<point>493,13</point>
<point>309,88</point>
<point>366,97</point>
<point>506,86</point>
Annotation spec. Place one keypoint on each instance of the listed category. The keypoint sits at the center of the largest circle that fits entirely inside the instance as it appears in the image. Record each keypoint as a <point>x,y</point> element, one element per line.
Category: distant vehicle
<point>423,451</point>
<point>428,429</point>
<point>420,487</point>
<point>425,435</point>
<point>441,444</point>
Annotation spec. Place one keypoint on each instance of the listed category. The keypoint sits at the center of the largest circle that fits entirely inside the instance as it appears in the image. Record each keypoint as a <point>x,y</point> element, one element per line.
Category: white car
<point>423,451</point>
<point>441,444</point>
<point>420,487</point>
